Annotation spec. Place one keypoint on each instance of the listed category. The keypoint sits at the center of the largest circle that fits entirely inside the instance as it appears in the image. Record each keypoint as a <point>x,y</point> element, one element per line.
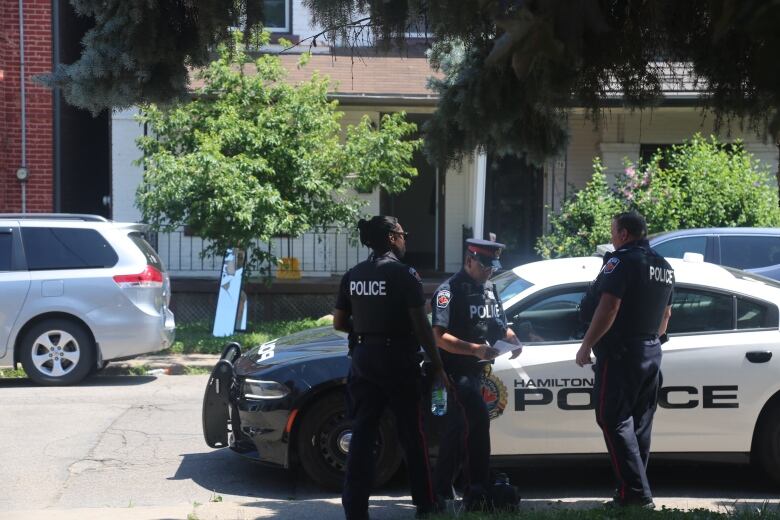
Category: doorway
<point>514,195</point>
<point>419,209</point>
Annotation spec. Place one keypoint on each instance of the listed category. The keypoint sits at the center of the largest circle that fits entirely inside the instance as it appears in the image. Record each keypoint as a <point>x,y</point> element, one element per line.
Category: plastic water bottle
<point>439,399</point>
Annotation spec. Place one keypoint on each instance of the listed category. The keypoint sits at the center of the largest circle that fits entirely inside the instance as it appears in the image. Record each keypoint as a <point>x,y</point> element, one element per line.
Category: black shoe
<point>640,502</point>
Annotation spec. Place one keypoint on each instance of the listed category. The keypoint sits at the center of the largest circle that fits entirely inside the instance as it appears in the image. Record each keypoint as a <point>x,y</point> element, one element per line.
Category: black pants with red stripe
<point>465,439</point>
<point>626,394</point>
<point>382,377</point>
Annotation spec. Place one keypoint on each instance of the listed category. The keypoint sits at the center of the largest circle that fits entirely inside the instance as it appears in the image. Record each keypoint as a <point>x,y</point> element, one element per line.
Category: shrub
<point>701,183</point>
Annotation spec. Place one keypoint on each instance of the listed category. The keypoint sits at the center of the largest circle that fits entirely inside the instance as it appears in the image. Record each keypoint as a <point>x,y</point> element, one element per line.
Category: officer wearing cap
<point>382,307</point>
<point>628,307</point>
<point>467,316</point>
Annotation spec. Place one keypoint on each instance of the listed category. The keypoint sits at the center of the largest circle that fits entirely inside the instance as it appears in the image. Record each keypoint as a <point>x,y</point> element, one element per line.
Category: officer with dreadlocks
<point>381,305</point>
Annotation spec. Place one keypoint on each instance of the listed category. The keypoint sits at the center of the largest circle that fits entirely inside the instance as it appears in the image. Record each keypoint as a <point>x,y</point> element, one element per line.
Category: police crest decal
<point>494,392</point>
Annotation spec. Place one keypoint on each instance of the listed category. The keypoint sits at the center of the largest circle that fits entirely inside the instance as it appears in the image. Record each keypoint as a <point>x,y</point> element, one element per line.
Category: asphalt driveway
<point>134,445</point>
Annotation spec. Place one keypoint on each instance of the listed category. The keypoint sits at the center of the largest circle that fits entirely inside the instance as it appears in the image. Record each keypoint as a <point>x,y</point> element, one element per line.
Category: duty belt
<point>382,339</point>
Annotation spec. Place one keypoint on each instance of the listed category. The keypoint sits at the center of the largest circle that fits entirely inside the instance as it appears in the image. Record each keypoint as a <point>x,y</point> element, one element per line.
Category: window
<point>748,252</point>
<point>276,15</point>
<point>508,285</point>
<point>5,251</point>
<point>677,247</point>
<point>151,255</point>
<point>63,248</point>
<point>700,311</point>
<point>755,315</point>
<point>554,318</point>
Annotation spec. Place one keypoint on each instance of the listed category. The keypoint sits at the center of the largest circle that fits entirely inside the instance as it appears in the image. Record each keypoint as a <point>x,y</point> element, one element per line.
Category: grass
<point>196,338</point>
<point>739,512</point>
<point>10,373</point>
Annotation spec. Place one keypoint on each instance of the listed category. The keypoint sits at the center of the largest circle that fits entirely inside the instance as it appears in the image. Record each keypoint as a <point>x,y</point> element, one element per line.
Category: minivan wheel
<point>57,352</point>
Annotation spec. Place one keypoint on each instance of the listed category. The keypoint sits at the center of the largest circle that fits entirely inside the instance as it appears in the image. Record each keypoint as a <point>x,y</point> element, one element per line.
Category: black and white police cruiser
<point>282,403</point>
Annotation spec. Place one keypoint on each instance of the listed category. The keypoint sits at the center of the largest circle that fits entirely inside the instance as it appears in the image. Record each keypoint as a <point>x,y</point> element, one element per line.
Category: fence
<point>331,251</point>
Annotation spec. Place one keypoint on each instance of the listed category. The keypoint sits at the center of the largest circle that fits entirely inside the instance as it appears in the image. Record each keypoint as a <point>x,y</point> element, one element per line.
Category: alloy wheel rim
<point>55,353</point>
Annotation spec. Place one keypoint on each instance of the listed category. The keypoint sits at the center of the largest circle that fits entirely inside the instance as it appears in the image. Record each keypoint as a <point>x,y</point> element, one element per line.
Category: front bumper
<point>254,428</point>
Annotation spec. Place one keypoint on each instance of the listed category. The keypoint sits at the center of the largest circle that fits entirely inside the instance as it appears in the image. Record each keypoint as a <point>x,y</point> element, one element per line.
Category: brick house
<point>64,150</point>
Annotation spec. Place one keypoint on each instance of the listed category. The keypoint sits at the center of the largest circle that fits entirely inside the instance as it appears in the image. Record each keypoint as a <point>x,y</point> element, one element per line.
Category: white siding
<point>302,24</point>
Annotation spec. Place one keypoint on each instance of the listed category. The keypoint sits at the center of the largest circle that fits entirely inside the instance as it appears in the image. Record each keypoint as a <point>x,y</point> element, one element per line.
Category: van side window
<point>5,251</point>
<point>749,252</point>
<point>677,247</point>
<point>63,248</point>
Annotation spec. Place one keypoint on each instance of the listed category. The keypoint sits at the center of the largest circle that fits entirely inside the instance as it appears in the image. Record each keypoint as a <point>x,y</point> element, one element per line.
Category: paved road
<point>134,445</point>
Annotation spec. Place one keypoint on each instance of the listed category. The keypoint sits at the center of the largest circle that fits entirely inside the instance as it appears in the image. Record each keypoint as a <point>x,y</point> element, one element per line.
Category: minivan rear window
<point>152,258</point>
<point>66,248</point>
<point>5,251</point>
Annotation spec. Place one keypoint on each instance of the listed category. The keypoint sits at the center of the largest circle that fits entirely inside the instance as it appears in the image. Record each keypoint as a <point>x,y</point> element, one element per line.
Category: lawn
<point>196,338</point>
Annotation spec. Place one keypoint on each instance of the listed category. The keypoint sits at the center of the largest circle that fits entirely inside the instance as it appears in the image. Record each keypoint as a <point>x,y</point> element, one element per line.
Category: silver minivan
<point>78,291</point>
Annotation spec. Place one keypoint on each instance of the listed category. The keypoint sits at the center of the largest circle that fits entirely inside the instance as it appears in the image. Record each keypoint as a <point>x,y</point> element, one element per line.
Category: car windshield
<point>753,277</point>
<point>508,285</point>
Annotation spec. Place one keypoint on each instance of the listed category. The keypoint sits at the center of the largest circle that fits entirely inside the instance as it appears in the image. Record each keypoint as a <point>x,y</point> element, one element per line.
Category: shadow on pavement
<point>24,382</point>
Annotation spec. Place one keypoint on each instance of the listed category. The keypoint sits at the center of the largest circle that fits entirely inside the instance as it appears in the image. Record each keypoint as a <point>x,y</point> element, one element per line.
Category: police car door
<point>549,405</point>
<point>716,370</point>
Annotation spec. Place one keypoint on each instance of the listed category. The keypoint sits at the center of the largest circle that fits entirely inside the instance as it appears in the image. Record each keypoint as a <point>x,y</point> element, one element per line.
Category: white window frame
<point>287,19</point>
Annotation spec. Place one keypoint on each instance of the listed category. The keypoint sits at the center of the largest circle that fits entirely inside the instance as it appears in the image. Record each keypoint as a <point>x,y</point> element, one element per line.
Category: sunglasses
<point>402,233</point>
<point>483,266</point>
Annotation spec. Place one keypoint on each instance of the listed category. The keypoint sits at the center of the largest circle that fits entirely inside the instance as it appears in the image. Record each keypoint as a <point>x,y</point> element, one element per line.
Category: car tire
<point>769,443</point>
<point>57,352</point>
<point>321,438</point>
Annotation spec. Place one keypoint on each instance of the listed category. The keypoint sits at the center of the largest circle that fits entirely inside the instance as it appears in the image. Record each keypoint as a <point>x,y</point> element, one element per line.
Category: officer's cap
<point>486,251</point>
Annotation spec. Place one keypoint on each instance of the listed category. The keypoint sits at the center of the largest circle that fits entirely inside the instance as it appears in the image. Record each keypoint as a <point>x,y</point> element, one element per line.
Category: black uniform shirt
<point>378,293</point>
<point>471,312</point>
<point>644,281</point>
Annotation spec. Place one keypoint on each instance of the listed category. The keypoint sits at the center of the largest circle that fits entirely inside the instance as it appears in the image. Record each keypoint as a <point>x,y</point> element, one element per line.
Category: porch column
<point>480,176</point>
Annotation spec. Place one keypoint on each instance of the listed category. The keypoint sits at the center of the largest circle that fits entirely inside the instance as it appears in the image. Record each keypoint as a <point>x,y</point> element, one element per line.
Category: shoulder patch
<point>413,272</point>
<point>610,266</point>
<point>443,298</point>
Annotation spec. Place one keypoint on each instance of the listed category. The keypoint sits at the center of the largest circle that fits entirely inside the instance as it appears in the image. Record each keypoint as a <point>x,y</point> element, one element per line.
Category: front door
<point>514,194</point>
<point>416,209</point>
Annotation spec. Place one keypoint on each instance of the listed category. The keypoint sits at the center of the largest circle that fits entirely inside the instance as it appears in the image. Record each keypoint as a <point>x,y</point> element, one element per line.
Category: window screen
<point>63,248</point>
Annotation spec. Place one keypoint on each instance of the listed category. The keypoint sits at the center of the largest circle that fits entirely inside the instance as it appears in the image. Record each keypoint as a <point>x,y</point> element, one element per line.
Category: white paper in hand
<point>504,346</point>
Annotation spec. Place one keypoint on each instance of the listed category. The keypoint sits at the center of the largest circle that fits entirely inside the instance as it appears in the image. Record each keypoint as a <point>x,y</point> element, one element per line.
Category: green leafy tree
<point>522,63</point>
<point>701,183</point>
<point>252,157</point>
<point>584,220</point>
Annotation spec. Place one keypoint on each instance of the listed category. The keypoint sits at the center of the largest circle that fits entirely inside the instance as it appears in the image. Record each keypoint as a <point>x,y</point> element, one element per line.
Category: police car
<point>282,403</point>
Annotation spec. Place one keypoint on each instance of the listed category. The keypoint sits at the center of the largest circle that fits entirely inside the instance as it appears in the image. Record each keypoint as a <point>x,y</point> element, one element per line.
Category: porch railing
<point>331,251</point>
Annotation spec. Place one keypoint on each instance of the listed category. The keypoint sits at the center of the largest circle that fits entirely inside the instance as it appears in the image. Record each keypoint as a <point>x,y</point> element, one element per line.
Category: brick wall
<point>38,60</point>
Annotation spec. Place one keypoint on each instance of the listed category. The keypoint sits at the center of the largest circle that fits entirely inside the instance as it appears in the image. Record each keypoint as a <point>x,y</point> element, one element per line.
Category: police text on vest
<point>367,288</point>
<point>662,275</point>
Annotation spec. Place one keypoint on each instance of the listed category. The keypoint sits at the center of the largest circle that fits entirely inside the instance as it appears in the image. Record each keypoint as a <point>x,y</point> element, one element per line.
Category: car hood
<point>305,345</point>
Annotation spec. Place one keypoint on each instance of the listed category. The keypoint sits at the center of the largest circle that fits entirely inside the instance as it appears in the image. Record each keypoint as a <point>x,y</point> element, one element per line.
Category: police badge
<point>494,392</point>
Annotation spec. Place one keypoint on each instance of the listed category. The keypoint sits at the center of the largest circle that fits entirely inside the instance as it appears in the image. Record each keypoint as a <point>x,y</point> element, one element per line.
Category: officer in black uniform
<point>628,307</point>
<point>467,317</point>
<point>381,305</point>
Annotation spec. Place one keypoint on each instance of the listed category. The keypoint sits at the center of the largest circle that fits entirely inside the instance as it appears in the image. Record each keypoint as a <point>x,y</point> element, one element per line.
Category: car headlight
<point>256,389</point>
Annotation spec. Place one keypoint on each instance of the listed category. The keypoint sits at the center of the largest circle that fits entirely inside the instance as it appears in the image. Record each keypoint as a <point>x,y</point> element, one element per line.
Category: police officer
<point>630,303</point>
<point>467,316</point>
<point>381,305</point>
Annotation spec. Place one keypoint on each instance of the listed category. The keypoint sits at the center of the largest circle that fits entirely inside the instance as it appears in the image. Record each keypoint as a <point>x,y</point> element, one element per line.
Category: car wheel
<point>57,352</point>
<point>323,443</point>
<point>769,443</point>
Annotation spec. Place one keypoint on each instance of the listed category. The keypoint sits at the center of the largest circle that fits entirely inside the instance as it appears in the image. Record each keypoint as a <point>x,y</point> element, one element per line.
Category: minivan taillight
<point>149,277</point>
